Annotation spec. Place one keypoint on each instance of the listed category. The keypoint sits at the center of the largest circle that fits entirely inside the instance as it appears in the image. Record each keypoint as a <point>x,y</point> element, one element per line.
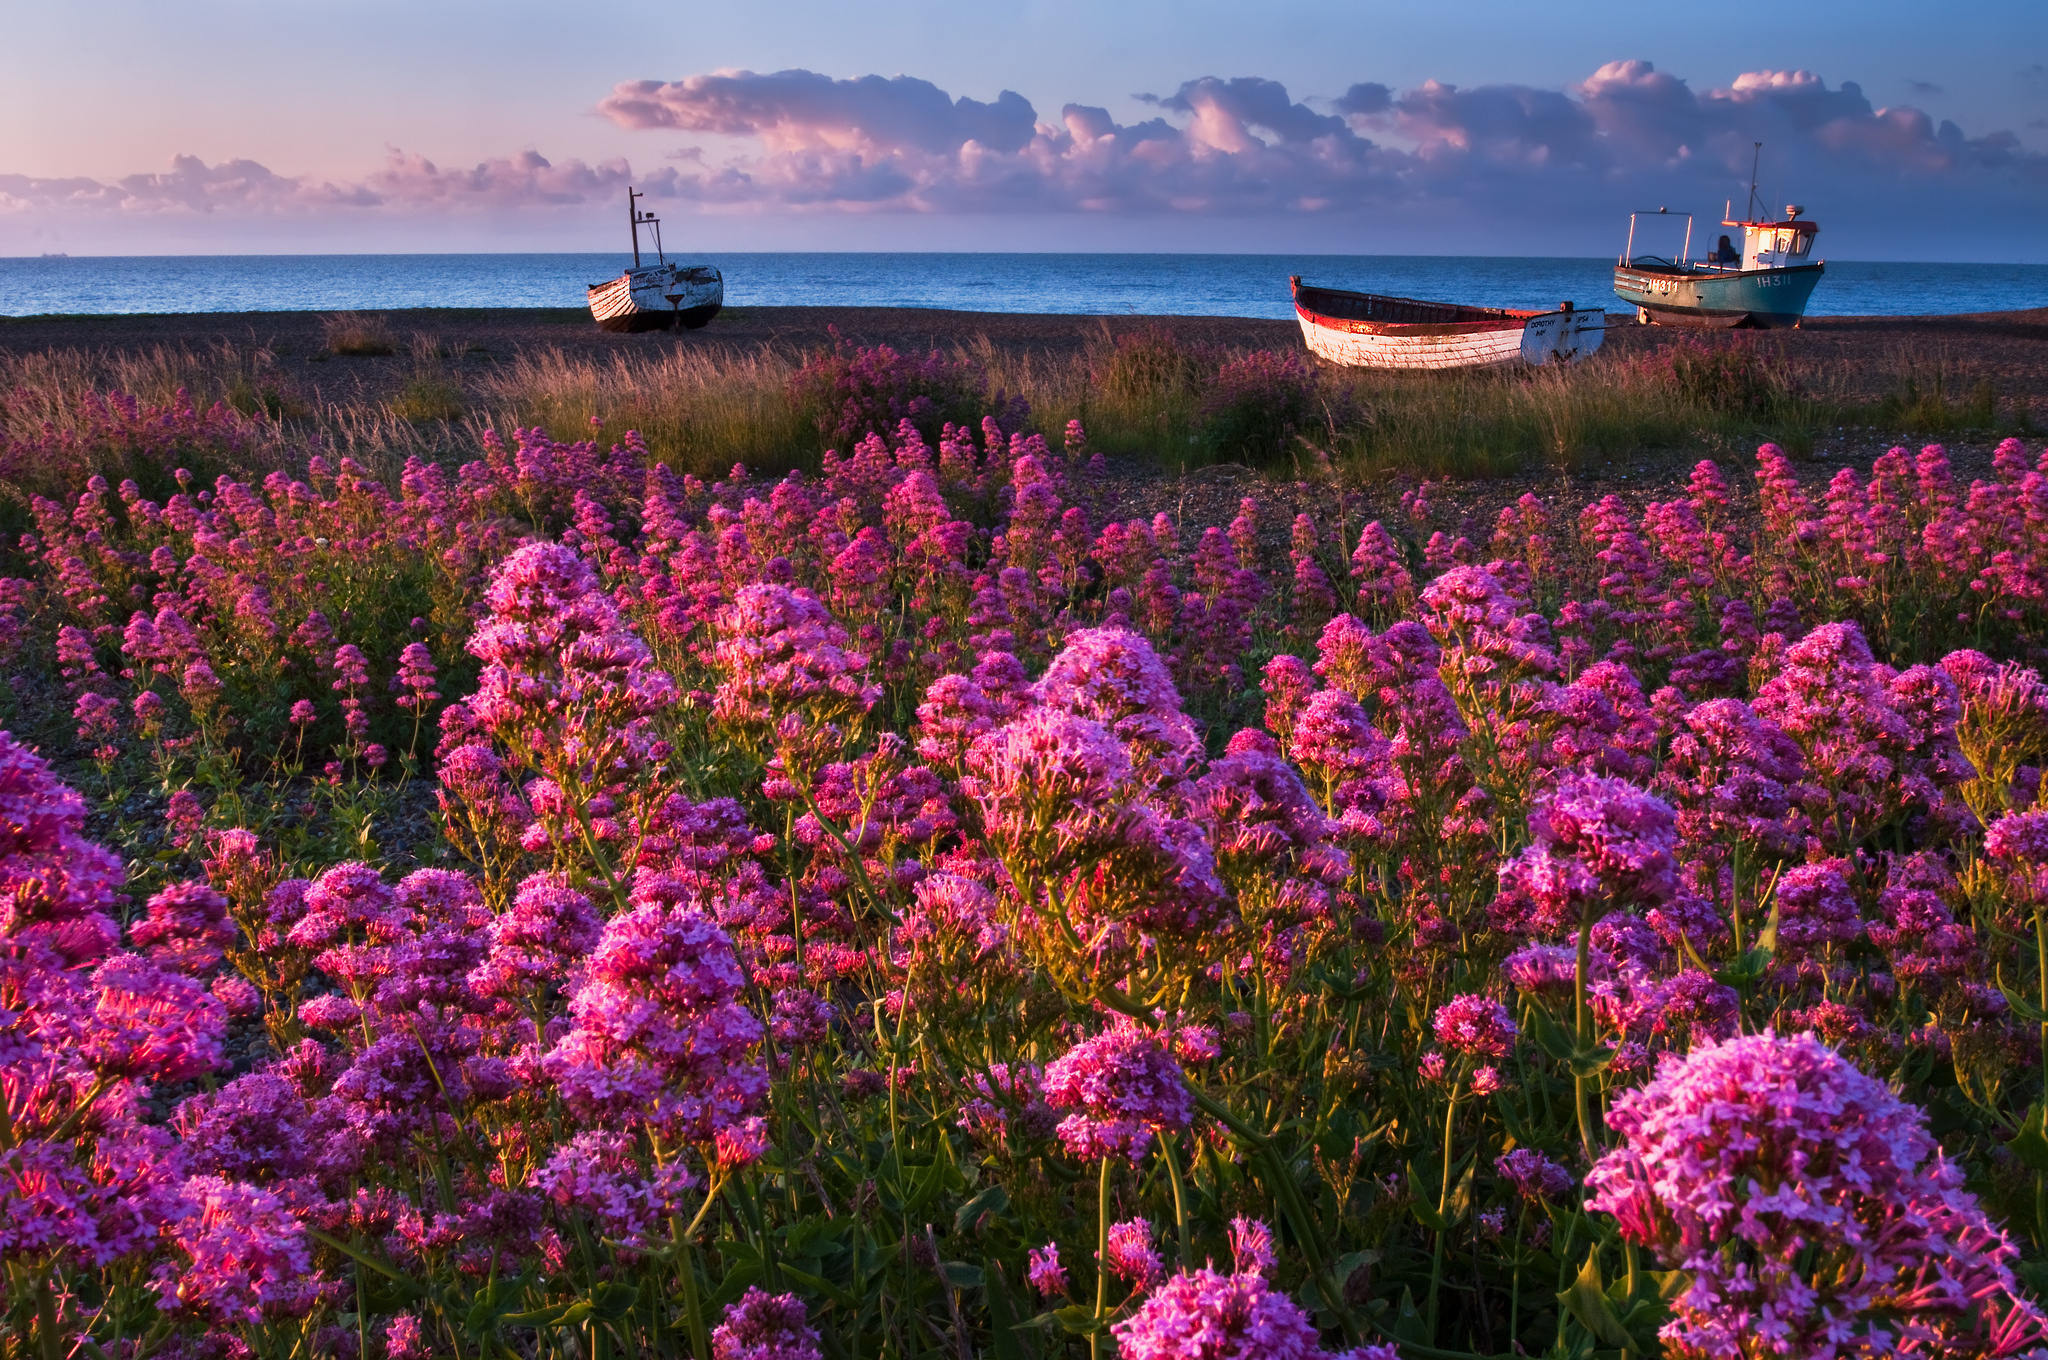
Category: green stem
<point>1287,1200</point>
<point>693,1309</point>
<point>1443,1204</point>
<point>1581,1028</point>
<point>1101,1262</point>
<point>1180,1204</point>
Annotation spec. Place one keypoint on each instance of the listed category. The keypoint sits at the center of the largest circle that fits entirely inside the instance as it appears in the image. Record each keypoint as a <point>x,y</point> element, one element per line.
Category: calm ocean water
<point>1212,285</point>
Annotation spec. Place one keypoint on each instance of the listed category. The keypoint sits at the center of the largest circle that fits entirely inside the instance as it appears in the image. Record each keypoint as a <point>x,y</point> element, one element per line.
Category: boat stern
<point>1564,336</point>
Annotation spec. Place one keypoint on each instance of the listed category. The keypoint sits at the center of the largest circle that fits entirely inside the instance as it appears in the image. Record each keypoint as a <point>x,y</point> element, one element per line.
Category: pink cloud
<point>405,182</point>
<point>1500,155</point>
<point>1246,146</point>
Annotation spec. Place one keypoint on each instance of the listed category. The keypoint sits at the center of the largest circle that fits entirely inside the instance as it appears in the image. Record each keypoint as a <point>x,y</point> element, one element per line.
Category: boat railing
<point>1680,266</point>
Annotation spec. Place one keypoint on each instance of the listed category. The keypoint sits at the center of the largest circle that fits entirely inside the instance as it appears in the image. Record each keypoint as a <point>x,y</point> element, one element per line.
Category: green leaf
<point>1767,938</point>
<point>992,1200</point>
<point>961,1274</point>
<point>1005,1335</point>
<point>1408,1324</point>
<point>1590,1061</point>
<point>492,1302</point>
<point>1586,1301</point>
<point>928,1187</point>
<point>2023,1008</point>
<point>735,1282</point>
<point>816,1284</point>
<point>2030,1144</point>
<point>1077,1320</point>
<point>1671,1283</point>
<point>1563,1045</point>
<point>1420,1204</point>
<point>613,1299</point>
<point>1550,1036</point>
<point>1461,1197</point>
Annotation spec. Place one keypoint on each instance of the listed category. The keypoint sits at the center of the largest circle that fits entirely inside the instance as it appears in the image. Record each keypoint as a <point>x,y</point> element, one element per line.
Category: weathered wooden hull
<point>1771,298</point>
<point>1368,330</point>
<point>658,298</point>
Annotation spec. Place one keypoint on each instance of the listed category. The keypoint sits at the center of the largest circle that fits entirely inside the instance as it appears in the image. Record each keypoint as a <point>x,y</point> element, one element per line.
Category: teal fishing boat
<point>1765,282</point>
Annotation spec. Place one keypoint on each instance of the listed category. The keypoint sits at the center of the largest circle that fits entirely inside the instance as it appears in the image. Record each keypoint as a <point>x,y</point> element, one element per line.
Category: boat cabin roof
<point>1805,224</point>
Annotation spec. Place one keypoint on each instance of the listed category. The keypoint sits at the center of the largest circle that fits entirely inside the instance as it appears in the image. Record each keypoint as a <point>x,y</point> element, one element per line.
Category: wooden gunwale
<point>1410,316</point>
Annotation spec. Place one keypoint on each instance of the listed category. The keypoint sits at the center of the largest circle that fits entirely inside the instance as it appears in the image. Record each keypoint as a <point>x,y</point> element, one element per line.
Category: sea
<point>1079,284</point>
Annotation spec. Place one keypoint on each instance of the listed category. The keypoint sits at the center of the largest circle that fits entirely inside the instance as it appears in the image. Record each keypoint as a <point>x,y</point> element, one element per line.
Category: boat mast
<point>633,213</point>
<point>1749,208</point>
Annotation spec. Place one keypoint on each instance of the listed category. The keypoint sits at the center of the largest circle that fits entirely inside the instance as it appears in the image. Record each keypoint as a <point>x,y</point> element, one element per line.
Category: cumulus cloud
<point>1247,146</point>
<point>405,182</point>
<point>1527,164</point>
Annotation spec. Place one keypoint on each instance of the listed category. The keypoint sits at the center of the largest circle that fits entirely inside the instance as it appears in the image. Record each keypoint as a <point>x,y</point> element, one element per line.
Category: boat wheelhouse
<point>1370,330</point>
<point>656,297</point>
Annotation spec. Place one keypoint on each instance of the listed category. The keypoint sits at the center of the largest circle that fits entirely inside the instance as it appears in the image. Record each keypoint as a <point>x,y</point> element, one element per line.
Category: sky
<point>140,127</point>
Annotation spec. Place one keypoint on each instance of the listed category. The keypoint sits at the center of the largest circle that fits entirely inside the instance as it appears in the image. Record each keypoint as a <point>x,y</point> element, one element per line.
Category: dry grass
<point>358,334</point>
<point>705,410</point>
<point>698,412</point>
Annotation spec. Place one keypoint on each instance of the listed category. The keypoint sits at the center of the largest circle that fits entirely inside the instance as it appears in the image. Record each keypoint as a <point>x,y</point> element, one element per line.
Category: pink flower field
<point>560,907</point>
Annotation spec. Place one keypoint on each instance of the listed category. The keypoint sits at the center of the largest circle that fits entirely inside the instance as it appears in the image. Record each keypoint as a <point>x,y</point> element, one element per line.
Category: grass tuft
<point>358,335</point>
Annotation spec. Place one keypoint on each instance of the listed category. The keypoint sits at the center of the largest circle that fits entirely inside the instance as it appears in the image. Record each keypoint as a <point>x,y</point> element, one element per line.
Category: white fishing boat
<point>656,297</point>
<point>1369,330</point>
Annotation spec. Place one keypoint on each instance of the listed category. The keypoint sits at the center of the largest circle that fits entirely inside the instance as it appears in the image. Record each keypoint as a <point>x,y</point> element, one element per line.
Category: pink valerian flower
<point>740,1144</point>
<point>1260,816</point>
<point>1046,1274</point>
<point>567,689</point>
<point>598,1173</point>
<point>56,887</point>
<point>659,1033</point>
<point>403,1339</point>
<point>258,1128</point>
<point>1874,760</point>
<point>150,1024</point>
<point>1288,683</point>
<point>762,1326</point>
<point>1153,873</point>
<point>1009,1098</point>
<point>547,929</point>
<point>2018,843</point>
<point>1807,1204</point>
<point>1037,775</point>
<point>1817,907</point>
<point>1251,1246</point>
<point>1123,1088</point>
<point>1534,1176</point>
<point>244,1256</point>
<point>185,928</point>
<point>1487,643</point>
<point>1385,586</point>
<point>416,677</point>
<point>1734,780</point>
<point>779,653</point>
<point>1204,1315</point>
<point>1595,840</point>
<point>1475,1025</point>
<point>1130,1256</point>
<point>347,902</point>
<point>1113,676</point>
<point>185,818</point>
